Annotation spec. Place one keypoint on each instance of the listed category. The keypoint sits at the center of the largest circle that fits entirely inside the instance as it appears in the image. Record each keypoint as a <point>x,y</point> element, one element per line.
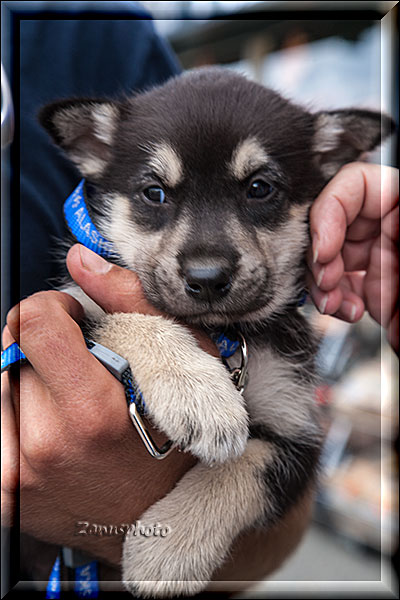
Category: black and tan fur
<point>205,138</point>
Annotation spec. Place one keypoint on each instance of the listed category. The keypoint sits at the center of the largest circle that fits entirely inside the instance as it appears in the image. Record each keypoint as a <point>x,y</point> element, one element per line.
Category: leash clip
<point>119,367</point>
<point>150,445</point>
<point>239,374</point>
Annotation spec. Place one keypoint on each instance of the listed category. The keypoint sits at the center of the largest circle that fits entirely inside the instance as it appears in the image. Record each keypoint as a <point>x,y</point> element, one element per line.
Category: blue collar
<point>81,226</point>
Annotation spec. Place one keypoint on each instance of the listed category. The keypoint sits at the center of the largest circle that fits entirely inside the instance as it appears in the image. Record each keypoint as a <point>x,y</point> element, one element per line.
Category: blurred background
<point>323,57</point>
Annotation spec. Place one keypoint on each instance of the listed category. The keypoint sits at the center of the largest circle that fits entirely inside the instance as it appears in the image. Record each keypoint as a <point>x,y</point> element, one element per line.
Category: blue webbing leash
<point>11,355</point>
<point>53,589</point>
<point>86,581</point>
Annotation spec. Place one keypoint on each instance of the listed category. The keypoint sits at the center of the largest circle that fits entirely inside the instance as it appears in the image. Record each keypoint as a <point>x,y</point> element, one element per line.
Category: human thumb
<point>113,288</point>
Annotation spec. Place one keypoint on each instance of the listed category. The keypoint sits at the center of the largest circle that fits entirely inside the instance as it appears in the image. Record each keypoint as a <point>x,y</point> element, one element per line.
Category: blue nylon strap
<point>226,347</point>
<point>11,355</point>
<point>133,393</point>
<point>53,589</point>
<point>81,226</point>
<point>302,299</point>
<point>86,581</point>
<point>14,354</point>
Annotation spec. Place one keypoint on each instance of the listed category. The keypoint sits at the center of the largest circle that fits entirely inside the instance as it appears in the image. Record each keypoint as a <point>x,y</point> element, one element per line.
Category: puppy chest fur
<point>203,185</point>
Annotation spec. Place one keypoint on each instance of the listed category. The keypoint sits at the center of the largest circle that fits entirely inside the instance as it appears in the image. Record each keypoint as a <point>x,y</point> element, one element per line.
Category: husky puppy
<point>204,185</point>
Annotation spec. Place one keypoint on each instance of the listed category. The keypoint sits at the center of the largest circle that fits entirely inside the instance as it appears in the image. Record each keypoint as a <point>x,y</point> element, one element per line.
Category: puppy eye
<point>155,194</point>
<point>259,189</point>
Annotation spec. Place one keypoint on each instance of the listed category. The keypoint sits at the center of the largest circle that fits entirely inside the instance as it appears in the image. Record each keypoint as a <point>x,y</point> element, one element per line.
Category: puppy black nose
<point>207,283</point>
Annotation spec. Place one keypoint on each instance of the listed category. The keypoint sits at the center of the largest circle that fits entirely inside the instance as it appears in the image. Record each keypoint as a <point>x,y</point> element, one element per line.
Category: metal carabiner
<point>239,374</point>
<point>146,438</point>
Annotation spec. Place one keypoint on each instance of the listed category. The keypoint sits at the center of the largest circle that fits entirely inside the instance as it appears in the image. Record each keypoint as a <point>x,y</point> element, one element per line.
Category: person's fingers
<point>9,453</point>
<point>354,282</point>
<point>45,327</point>
<point>390,235</point>
<point>356,255</point>
<point>358,189</point>
<point>116,289</point>
<point>363,229</point>
<point>326,276</point>
<point>352,306</point>
<point>333,211</point>
<point>327,303</point>
<point>6,337</point>
<point>31,310</point>
<point>393,331</point>
<point>344,301</point>
<point>381,287</point>
<point>390,225</point>
<point>113,288</point>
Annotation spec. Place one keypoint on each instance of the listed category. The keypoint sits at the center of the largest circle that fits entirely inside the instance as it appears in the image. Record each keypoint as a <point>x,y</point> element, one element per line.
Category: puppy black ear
<point>84,129</point>
<point>342,136</point>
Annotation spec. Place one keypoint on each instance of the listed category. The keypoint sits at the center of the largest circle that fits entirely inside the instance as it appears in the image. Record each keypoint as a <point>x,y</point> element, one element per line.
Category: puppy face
<point>204,185</point>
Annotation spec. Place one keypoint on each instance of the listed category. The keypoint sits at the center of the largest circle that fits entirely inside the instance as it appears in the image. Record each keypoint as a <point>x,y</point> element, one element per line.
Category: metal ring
<point>239,374</point>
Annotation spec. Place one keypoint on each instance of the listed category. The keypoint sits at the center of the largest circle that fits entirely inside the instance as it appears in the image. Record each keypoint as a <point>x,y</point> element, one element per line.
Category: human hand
<point>80,457</point>
<point>353,260</point>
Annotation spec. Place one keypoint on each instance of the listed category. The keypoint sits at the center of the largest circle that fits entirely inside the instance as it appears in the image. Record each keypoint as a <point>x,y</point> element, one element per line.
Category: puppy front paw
<point>218,434</point>
<point>163,567</point>
<point>164,589</point>
<point>188,393</point>
<point>199,409</point>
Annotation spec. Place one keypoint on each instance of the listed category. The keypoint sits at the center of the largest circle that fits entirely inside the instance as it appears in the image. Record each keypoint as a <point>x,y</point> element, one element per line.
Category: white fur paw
<point>156,567</point>
<point>220,436</point>
<point>203,415</point>
<point>201,412</point>
<point>164,589</point>
<point>188,393</point>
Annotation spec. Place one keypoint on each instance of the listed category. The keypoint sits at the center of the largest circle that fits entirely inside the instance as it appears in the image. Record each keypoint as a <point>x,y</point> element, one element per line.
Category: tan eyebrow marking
<point>165,162</point>
<point>248,156</point>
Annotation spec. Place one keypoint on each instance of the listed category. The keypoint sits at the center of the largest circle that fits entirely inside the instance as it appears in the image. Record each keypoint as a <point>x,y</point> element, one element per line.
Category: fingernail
<point>349,310</point>
<point>322,304</point>
<point>315,246</point>
<point>93,262</point>
<point>320,277</point>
